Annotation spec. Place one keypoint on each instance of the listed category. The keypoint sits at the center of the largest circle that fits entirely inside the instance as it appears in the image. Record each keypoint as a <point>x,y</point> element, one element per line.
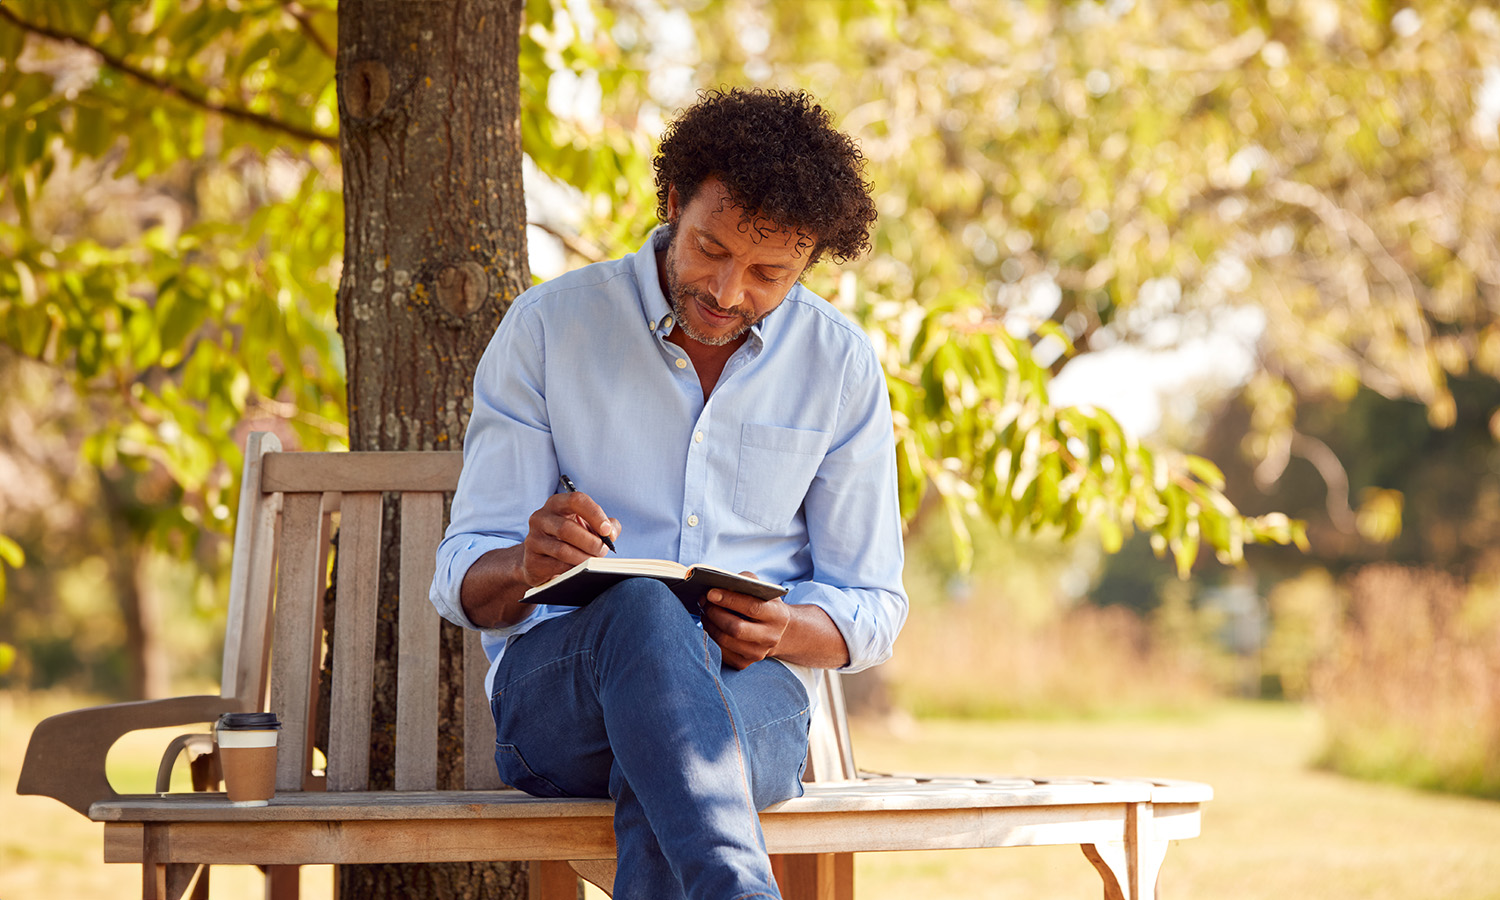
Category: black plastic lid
<point>248,721</point>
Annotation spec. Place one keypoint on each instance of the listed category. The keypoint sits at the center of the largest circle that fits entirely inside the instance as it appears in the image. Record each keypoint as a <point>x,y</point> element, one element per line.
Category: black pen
<point>567,484</point>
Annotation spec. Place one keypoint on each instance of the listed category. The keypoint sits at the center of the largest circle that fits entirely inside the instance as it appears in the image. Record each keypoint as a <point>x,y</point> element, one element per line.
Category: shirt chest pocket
<point>776,466</point>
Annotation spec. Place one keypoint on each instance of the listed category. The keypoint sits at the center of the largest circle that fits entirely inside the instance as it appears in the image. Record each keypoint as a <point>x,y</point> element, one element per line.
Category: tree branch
<point>1334,477</point>
<point>298,12</point>
<point>166,87</point>
<point>576,245</point>
<point>1346,226</point>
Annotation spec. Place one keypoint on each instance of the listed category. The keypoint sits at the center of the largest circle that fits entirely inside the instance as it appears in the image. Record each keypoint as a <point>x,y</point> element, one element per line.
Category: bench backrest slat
<point>480,773</point>
<point>386,470</point>
<point>298,640</point>
<point>354,641</point>
<point>830,755</point>
<point>247,629</point>
<point>418,635</point>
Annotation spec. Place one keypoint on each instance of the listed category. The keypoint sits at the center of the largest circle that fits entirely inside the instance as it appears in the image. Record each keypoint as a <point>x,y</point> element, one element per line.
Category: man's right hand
<point>559,536</point>
<point>562,534</point>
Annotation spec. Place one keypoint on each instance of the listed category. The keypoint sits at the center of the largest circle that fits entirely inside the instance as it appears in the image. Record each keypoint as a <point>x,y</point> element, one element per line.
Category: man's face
<point>727,267</point>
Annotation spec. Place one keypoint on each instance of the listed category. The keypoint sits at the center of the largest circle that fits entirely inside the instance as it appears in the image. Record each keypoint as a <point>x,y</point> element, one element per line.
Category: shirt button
<point>698,438</point>
<point>693,521</point>
<point>682,364</point>
<point>667,322</point>
<point>651,325</point>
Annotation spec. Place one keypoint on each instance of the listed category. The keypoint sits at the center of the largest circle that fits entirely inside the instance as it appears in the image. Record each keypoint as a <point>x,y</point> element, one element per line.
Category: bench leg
<point>283,882</point>
<point>173,881</point>
<point>1130,868</point>
<point>157,878</point>
<point>200,890</point>
<point>814,876</point>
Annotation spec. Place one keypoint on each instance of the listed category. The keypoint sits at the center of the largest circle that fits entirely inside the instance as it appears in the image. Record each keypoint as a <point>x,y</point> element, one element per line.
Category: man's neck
<point>708,360</point>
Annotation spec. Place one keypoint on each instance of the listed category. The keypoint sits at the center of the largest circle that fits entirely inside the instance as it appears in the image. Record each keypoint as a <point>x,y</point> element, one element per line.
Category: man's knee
<point>640,624</point>
<point>643,607</point>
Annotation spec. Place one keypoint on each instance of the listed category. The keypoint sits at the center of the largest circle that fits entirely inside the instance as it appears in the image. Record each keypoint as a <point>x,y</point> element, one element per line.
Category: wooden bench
<point>273,643</point>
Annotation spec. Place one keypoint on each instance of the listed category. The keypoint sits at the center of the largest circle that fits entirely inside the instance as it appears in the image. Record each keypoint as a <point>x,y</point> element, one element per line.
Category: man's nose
<point>728,285</point>
<point>723,284</point>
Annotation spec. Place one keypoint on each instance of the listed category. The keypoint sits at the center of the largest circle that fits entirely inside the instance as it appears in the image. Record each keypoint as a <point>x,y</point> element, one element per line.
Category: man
<point>709,409</point>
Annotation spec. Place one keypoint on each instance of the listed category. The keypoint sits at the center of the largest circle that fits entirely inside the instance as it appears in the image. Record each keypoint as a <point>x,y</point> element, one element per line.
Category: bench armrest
<point>202,762</point>
<point>65,758</point>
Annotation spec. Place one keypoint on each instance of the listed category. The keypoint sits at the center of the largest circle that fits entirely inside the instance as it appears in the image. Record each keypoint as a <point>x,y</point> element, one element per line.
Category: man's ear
<point>674,204</point>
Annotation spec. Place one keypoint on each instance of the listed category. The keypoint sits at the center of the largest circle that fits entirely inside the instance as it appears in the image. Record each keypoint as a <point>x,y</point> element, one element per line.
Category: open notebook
<point>581,584</point>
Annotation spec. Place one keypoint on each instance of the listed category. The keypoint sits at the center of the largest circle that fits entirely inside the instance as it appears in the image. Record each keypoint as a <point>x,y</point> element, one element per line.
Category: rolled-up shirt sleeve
<point>854,524</point>
<point>509,465</point>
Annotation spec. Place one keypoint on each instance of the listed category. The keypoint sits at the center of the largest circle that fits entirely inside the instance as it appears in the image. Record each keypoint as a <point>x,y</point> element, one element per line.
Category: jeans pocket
<point>780,759</point>
<point>515,772</point>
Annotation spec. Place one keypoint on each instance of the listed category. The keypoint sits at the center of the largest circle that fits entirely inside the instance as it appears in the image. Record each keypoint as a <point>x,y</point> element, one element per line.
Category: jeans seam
<point>515,752</point>
<point>802,712</point>
<point>515,682</point>
<point>516,679</point>
<point>729,714</point>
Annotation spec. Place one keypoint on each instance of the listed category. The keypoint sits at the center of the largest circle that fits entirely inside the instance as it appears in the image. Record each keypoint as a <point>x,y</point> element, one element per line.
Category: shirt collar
<point>654,306</point>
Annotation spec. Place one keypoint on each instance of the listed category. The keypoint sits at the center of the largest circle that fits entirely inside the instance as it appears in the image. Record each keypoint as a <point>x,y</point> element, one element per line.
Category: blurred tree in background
<point>1289,205</point>
<point>1265,229</point>
<point>169,181</point>
<point>1319,181</point>
<point>172,243</point>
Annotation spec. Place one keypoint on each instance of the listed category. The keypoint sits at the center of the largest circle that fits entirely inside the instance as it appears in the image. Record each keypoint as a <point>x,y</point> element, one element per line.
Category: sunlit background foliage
<point>1262,231</point>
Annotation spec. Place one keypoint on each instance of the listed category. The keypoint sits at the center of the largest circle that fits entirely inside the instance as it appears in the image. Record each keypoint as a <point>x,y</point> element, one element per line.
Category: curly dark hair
<point>776,152</point>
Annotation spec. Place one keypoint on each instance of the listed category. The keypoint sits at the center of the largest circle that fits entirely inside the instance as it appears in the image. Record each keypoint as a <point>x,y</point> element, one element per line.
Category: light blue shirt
<point>788,469</point>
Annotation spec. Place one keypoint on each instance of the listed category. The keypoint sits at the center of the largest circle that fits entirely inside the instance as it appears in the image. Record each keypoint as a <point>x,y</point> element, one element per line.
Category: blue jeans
<point>627,698</point>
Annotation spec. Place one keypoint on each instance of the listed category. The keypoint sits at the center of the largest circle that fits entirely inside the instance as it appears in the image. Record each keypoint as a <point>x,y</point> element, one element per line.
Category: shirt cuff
<point>857,621</point>
<point>452,566</point>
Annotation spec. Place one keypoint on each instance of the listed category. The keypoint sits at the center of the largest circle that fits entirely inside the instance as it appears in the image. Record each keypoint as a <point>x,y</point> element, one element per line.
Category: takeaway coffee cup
<point>247,753</point>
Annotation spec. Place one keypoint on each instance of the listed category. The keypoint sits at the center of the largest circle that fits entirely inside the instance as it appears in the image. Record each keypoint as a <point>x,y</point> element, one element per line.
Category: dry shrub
<point>986,658</point>
<point>1411,691</point>
<point>1306,624</point>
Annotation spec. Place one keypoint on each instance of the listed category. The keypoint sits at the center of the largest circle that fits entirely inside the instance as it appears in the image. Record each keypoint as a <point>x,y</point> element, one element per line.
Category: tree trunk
<point>140,601</point>
<point>150,668</point>
<point>435,251</point>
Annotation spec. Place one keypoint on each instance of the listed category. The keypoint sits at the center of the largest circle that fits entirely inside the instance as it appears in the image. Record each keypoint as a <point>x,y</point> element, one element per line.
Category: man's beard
<point>678,295</point>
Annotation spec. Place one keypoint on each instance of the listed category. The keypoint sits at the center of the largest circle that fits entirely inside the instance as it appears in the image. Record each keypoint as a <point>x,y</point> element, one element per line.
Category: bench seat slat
<point>354,642</point>
<point>399,838</point>
<point>838,797</point>
<point>297,638</point>
<point>417,661</point>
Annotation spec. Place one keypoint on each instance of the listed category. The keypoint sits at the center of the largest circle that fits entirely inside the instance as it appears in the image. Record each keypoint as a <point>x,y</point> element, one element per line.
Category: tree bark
<point>434,252</point>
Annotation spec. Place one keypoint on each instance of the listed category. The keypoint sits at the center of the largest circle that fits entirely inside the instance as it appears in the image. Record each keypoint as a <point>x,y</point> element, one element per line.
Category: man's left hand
<point>747,629</point>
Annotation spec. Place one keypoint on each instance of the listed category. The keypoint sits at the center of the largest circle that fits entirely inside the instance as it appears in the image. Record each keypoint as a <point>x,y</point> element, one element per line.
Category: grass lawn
<point>1276,829</point>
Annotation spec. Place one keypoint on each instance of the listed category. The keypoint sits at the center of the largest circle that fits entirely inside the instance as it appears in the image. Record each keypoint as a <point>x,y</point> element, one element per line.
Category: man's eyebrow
<point>704,234</point>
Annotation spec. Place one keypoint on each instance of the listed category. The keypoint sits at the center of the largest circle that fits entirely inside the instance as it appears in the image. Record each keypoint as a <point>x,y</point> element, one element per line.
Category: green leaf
<point>11,553</point>
<point>1206,472</point>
